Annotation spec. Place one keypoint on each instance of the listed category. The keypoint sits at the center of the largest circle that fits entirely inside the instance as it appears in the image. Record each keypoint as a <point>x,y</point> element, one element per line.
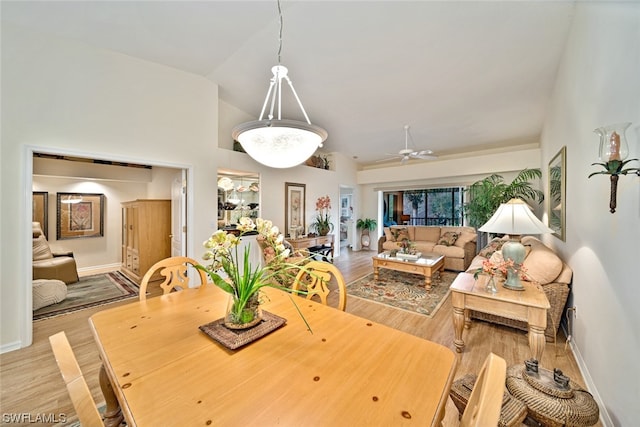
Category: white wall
<point>599,84</point>
<point>64,96</point>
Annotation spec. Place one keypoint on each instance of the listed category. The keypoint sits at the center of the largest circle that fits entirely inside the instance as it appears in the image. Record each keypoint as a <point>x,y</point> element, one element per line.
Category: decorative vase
<point>491,285</point>
<point>323,230</point>
<point>243,317</point>
<point>365,240</point>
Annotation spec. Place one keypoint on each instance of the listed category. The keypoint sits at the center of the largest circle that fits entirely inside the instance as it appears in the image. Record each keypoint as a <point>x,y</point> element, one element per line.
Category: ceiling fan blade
<point>424,152</point>
<point>425,156</point>
<point>388,159</point>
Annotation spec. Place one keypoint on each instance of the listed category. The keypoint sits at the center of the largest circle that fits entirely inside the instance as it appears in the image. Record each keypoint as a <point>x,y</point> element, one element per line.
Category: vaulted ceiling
<point>464,75</point>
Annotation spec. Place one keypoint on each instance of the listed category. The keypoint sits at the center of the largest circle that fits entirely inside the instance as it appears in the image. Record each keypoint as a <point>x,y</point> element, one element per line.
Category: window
<point>434,206</point>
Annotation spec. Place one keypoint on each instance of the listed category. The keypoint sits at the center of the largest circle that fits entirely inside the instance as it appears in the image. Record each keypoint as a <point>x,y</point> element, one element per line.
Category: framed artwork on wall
<point>557,184</point>
<point>79,215</point>
<point>294,207</point>
<point>41,210</point>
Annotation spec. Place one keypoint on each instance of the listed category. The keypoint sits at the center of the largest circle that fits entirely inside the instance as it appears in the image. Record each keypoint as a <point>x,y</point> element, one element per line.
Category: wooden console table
<point>307,243</point>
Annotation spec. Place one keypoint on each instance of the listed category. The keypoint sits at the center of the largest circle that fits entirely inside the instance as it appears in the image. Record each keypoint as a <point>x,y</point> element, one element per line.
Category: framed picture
<point>345,206</point>
<point>557,193</point>
<point>294,206</point>
<point>40,211</point>
<point>79,215</point>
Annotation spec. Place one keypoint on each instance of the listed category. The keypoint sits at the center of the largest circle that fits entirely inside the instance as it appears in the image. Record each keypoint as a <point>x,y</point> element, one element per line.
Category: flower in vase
<point>322,223</point>
<point>244,281</point>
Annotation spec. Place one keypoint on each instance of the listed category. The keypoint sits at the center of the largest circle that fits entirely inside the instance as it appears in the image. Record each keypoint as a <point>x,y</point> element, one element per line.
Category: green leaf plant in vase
<point>322,223</point>
<point>243,283</point>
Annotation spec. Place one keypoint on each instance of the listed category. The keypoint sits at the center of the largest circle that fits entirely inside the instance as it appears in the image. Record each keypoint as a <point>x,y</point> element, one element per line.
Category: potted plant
<point>322,223</point>
<point>243,284</point>
<point>366,225</point>
<point>487,194</point>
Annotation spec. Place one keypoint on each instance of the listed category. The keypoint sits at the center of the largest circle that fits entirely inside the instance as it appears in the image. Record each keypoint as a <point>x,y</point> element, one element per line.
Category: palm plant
<point>488,193</point>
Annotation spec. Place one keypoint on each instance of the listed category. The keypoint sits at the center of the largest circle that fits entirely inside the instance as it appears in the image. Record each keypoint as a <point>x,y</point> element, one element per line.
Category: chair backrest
<point>485,401</point>
<point>314,278</point>
<point>77,387</point>
<point>41,249</point>
<point>174,270</point>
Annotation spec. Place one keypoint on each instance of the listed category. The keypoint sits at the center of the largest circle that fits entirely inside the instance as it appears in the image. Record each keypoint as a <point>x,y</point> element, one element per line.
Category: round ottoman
<point>47,292</point>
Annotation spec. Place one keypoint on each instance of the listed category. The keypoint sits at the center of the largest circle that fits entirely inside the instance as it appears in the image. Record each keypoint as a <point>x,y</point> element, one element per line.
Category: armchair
<point>49,265</point>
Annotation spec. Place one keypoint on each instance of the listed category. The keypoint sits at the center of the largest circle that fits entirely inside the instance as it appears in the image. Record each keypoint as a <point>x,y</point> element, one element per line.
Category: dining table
<point>344,370</point>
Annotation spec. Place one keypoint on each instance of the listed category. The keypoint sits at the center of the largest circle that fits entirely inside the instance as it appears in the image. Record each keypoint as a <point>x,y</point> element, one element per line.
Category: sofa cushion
<point>449,251</point>
<point>464,238</point>
<point>448,238</point>
<point>494,245</point>
<point>542,264</point>
<point>424,247</point>
<point>388,235</point>
<point>426,234</point>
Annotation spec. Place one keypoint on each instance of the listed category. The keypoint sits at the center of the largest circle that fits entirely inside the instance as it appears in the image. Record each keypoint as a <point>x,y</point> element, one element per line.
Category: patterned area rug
<point>91,291</point>
<point>403,290</point>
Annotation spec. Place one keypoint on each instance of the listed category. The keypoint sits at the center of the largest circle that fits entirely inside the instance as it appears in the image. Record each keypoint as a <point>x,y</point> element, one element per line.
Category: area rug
<point>404,291</point>
<point>91,291</point>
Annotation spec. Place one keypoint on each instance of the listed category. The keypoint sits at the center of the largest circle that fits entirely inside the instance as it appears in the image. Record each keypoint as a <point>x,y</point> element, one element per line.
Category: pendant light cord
<point>280,32</point>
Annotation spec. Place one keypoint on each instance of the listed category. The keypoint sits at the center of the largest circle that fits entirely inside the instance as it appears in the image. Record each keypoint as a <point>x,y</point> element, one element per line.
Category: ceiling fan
<point>407,153</point>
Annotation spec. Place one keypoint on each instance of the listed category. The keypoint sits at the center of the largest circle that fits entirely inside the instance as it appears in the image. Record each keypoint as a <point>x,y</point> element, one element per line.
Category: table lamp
<point>514,218</point>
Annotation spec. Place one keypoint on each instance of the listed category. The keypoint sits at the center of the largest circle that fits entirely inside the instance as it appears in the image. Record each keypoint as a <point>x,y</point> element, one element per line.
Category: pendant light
<point>274,141</point>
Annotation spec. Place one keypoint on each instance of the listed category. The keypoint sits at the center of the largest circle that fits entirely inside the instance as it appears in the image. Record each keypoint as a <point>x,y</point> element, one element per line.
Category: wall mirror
<point>556,211</point>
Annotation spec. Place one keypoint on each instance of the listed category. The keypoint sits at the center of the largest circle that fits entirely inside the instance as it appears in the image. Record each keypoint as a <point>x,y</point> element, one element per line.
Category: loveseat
<point>542,266</point>
<point>457,244</point>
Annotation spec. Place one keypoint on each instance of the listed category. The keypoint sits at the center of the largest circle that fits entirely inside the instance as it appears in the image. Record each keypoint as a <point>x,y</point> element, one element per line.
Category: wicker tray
<point>234,338</point>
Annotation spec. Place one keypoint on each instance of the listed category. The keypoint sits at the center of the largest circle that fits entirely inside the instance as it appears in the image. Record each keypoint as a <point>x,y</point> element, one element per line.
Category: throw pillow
<point>400,234</point>
<point>388,235</point>
<point>494,245</point>
<point>448,238</point>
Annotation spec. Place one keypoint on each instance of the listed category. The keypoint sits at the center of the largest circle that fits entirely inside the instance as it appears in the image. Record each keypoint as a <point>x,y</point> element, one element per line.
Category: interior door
<point>179,214</point>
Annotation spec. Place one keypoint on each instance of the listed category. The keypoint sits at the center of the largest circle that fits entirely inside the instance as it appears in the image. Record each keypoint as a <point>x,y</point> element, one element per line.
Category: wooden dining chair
<point>174,270</point>
<point>77,387</point>
<point>314,278</point>
<point>485,401</point>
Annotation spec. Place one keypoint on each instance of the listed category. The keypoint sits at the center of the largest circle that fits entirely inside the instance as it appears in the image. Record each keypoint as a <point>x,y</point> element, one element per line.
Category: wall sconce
<point>613,155</point>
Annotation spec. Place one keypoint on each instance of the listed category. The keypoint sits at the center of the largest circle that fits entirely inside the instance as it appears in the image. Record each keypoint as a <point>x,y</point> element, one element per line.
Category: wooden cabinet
<point>146,229</point>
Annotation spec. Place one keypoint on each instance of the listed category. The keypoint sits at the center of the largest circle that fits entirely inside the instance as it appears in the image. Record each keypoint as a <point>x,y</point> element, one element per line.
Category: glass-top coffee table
<point>426,265</point>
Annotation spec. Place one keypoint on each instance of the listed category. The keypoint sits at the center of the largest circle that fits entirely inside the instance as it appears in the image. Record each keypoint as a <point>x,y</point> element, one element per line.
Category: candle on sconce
<point>614,146</point>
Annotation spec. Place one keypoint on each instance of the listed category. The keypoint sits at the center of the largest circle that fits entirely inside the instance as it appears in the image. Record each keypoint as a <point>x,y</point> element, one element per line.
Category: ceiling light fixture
<point>277,142</point>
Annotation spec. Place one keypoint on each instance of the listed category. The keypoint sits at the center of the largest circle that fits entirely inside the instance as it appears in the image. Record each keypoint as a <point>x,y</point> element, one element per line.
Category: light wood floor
<point>31,383</point>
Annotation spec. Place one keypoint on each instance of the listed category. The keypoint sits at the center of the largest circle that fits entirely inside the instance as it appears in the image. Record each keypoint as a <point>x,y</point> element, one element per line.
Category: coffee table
<point>530,305</point>
<point>426,265</point>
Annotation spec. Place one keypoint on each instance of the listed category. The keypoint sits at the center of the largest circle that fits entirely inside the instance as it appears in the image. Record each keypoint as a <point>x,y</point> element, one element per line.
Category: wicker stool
<point>552,399</point>
<point>513,411</point>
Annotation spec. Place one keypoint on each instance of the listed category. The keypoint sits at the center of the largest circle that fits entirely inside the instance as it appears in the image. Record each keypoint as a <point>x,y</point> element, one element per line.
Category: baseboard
<point>98,269</point>
<point>605,419</point>
<point>5,348</point>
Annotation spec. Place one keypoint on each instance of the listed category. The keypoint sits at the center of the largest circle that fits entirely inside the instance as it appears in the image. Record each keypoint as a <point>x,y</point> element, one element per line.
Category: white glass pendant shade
<point>613,142</point>
<point>279,143</point>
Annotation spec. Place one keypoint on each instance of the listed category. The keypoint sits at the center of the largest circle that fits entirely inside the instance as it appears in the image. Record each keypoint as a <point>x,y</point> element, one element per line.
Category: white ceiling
<point>464,75</point>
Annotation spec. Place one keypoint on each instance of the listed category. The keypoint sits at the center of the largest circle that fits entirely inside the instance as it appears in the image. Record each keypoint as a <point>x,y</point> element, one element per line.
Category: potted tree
<point>366,225</point>
<point>487,194</point>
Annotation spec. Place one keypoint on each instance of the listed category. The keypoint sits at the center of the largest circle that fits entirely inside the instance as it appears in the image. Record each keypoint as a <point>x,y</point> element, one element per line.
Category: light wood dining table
<point>349,371</point>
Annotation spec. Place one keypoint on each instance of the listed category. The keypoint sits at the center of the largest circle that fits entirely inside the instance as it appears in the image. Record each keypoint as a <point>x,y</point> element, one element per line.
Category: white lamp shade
<point>279,143</point>
<point>515,218</point>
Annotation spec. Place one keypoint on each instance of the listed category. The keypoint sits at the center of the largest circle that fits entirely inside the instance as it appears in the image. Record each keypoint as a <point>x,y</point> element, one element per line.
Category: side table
<point>530,305</point>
